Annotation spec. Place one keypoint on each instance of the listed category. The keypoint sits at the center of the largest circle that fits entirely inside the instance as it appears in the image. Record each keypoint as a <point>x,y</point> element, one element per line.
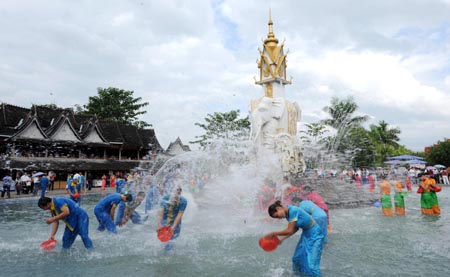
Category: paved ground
<point>58,192</point>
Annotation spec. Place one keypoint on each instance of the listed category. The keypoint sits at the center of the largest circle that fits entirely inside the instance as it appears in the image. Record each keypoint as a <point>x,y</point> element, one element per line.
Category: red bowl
<point>48,244</point>
<point>269,244</point>
<point>165,234</point>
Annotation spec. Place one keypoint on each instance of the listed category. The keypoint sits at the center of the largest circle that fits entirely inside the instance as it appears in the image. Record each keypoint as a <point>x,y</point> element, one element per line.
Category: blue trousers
<point>105,221</point>
<point>82,229</point>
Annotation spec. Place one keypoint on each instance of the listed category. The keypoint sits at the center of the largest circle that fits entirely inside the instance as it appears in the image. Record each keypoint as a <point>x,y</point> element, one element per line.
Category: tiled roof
<point>49,120</point>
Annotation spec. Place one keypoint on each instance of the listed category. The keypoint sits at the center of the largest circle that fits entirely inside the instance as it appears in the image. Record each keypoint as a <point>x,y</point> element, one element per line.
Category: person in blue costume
<point>152,197</point>
<point>126,211</point>
<point>120,185</point>
<point>105,209</point>
<point>74,189</point>
<point>172,209</point>
<point>317,214</point>
<point>75,218</point>
<point>307,255</point>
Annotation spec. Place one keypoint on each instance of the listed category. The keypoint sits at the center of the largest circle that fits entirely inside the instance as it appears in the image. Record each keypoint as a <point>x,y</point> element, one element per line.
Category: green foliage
<point>116,104</point>
<point>343,120</point>
<point>440,153</point>
<point>362,147</point>
<point>386,139</point>
<point>223,125</point>
<point>315,131</point>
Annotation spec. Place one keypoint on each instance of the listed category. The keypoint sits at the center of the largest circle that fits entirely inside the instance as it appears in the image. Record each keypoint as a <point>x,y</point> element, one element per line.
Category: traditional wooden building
<point>177,147</point>
<point>42,138</point>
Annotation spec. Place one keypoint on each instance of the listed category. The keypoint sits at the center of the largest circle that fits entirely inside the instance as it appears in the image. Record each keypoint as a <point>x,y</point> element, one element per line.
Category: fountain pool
<point>225,243</point>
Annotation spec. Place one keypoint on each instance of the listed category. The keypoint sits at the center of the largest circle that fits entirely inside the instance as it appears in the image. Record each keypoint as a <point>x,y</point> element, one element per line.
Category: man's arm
<point>113,210</point>
<point>177,220</point>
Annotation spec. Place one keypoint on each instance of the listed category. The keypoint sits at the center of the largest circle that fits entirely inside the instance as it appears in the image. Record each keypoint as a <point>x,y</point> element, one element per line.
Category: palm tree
<point>384,136</point>
<point>342,119</point>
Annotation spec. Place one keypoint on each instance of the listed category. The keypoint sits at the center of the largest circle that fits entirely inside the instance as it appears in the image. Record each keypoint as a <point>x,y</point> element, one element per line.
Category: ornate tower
<point>273,118</point>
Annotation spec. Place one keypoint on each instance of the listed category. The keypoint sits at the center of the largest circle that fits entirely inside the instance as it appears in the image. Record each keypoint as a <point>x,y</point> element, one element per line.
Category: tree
<point>116,104</point>
<point>440,153</point>
<point>385,138</point>
<point>343,120</point>
<point>315,130</point>
<point>223,125</point>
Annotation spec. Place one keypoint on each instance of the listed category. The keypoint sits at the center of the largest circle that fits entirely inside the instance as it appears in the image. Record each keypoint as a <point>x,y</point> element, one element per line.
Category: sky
<point>196,57</point>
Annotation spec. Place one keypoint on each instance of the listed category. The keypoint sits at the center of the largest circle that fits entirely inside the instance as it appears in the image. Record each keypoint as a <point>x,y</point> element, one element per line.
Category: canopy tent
<point>415,162</point>
<point>394,162</point>
<point>405,157</point>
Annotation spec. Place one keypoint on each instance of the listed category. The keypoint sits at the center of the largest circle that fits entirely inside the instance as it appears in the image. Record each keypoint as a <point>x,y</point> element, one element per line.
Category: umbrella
<point>37,174</point>
<point>405,157</point>
<point>440,166</point>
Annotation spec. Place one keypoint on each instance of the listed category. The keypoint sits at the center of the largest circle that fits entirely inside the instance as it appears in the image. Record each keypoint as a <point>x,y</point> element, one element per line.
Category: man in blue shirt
<point>105,209</point>
<point>75,218</point>
<point>172,209</point>
<point>74,189</point>
<point>44,182</point>
<point>7,181</point>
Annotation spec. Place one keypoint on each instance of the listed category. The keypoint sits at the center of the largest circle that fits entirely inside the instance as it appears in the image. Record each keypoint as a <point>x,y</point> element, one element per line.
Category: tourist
<point>172,209</point>
<point>399,199</point>
<point>51,177</point>
<point>126,211</point>
<point>112,181</point>
<point>307,193</point>
<point>105,209</point>
<point>103,182</point>
<point>385,192</point>
<point>25,181</point>
<point>36,184</point>
<point>371,180</point>
<point>82,180</point>
<point>18,183</point>
<point>75,218</point>
<point>7,182</point>
<point>444,174</point>
<point>74,189</point>
<point>428,198</point>
<point>408,182</point>
<point>44,183</point>
<point>308,251</point>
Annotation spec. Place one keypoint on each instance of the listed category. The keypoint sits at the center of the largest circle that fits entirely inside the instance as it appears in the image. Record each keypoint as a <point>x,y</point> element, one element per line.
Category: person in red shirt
<point>307,193</point>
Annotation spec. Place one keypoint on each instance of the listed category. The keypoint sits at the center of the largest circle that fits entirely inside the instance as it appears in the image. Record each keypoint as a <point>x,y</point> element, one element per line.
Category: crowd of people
<point>116,209</point>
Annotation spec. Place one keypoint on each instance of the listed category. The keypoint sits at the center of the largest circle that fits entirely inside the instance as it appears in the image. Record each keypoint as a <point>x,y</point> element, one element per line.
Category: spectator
<point>7,181</point>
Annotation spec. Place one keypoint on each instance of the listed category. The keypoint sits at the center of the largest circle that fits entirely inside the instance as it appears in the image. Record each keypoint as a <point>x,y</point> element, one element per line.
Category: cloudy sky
<point>191,58</point>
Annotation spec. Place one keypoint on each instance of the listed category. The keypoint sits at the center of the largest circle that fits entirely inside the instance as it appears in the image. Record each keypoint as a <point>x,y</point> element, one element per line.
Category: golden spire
<point>271,36</point>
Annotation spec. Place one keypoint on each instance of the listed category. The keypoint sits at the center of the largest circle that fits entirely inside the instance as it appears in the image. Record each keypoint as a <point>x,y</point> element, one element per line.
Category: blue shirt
<point>44,181</point>
<point>303,219</point>
<point>108,202</point>
<point>56,208</point>
<point>74,187</point>
<point>171,210</point>
<point>7,180</point>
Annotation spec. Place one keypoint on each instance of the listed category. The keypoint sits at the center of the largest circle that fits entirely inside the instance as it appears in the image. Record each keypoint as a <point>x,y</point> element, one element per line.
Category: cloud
<point>191,58</point>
